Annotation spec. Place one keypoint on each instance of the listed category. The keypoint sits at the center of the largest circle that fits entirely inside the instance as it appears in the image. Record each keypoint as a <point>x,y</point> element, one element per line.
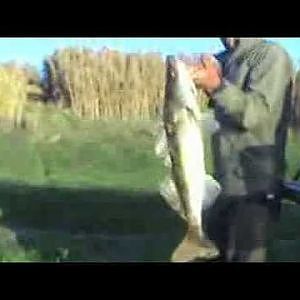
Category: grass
<point>87,191</point>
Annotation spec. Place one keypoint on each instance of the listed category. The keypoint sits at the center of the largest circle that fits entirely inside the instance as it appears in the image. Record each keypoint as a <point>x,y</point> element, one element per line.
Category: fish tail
<point>193,247</point>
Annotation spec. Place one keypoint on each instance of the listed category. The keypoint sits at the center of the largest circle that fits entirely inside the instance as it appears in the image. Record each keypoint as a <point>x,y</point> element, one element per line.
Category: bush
<point>13,96</point>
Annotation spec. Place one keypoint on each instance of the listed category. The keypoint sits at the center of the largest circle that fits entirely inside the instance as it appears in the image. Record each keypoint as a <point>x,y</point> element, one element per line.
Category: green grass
<point>88,191</point>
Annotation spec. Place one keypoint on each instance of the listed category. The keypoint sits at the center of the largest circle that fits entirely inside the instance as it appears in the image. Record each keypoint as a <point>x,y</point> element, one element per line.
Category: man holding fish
<point>249,86</point>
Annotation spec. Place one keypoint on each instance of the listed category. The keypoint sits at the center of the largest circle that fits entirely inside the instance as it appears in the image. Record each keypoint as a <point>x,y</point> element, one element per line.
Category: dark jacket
<point>253,108</point>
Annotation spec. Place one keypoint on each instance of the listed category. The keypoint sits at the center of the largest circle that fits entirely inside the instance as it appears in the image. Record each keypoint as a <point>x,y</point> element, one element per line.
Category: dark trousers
<point>239,226</point>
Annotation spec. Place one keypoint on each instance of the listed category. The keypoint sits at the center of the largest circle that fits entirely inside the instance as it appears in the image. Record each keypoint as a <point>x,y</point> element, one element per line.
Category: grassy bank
<point>88,191</point>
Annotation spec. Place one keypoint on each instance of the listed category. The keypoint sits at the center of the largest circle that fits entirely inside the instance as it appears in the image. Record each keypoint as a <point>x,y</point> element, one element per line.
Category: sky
<point>34,50</point>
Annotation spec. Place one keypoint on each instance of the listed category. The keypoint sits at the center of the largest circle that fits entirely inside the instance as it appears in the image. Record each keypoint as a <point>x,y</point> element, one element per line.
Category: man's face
<point>229,43</point>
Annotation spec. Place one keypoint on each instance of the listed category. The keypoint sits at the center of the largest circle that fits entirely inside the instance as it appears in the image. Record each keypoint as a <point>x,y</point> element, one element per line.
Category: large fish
<point>195,190</point>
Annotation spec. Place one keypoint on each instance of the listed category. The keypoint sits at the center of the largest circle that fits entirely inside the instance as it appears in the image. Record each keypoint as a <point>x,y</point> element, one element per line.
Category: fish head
<point>180,86</point>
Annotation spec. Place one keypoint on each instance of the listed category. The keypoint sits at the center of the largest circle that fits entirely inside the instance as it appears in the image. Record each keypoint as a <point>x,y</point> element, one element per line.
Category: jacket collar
<point>245,44</point>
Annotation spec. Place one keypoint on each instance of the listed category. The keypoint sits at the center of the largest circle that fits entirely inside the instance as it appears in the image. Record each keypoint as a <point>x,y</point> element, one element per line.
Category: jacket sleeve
<point>264,89</point>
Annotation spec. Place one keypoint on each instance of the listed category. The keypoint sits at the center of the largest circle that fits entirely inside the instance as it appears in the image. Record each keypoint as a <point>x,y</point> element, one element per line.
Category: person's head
<point>229,43</point>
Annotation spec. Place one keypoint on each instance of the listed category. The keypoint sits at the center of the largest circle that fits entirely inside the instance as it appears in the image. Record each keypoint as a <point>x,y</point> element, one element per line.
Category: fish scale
<point>193,187</point>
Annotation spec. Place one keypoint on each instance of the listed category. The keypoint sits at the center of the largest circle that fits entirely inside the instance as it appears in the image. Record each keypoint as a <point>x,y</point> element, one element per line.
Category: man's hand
<point>207,75</point>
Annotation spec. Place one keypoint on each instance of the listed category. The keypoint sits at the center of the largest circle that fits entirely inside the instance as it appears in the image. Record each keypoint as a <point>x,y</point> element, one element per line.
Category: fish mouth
<point>175,69</point>
<point>172,75</point>
<point>171,66</point>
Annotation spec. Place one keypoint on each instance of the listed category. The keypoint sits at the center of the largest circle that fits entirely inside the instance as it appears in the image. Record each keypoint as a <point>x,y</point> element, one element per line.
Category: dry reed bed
<point>106,84</point>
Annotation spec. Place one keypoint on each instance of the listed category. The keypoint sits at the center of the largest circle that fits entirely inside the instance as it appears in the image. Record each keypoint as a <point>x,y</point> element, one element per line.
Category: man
<point>251,98</point>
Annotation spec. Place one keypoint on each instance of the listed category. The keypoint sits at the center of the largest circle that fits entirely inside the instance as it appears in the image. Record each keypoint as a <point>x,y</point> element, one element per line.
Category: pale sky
<point>34,50</point>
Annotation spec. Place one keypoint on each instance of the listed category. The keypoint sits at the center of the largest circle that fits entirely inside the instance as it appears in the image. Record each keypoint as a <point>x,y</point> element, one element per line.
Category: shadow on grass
<point>61,224</point>
<point>43,223</point>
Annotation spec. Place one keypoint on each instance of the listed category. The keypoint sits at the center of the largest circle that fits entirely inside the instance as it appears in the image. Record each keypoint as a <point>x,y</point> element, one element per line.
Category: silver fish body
<point>195,189</point>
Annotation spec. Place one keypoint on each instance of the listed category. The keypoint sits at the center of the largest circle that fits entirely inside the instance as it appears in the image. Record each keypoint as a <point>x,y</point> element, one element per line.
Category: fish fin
<point>212,191</point>
<point>209,123</point>
<point>169,193</point>
<point>161,144</point>
<point>161,148</point>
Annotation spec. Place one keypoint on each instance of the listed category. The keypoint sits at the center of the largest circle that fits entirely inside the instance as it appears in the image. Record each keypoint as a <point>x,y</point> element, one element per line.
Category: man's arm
<point>265,87</point>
